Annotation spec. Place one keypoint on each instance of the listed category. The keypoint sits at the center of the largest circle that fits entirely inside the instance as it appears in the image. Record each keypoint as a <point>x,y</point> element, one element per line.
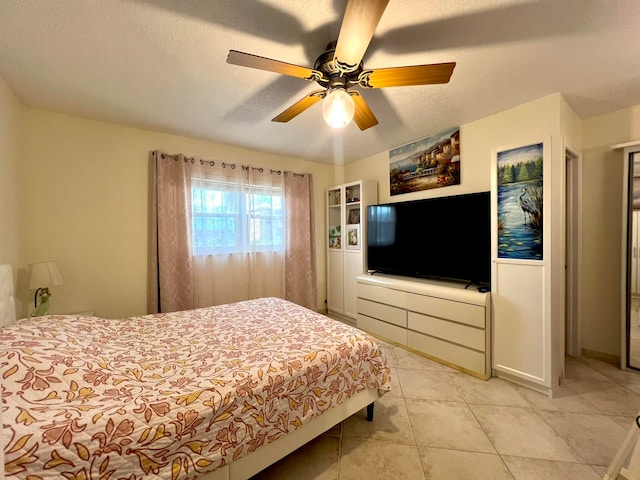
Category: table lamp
<point>43,275</point>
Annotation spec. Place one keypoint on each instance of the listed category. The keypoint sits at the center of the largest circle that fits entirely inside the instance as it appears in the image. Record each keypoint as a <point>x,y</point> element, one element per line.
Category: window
<point>231,218</point>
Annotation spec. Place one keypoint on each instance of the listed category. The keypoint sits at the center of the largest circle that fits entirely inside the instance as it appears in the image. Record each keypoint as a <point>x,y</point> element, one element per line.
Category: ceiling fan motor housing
<point>326,64</point>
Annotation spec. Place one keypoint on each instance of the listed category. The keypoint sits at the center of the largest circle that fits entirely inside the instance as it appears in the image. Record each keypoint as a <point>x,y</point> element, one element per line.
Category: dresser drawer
<point>382,329</point>
<point>449,352</point>
<point>446,322</point>
<point>383,295</point>
<point>453,332</point>
<point>386,313</point>
<point>438,307</point>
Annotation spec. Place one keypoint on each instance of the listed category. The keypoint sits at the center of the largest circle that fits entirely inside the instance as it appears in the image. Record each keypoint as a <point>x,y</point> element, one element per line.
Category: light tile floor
<point>440,424</point>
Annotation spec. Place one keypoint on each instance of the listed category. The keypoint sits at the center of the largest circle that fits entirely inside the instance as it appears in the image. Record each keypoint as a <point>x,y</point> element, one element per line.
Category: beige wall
<point>529,122</point>
<point>11,187</point>
<point>602,226</point>
<point>87,206</point>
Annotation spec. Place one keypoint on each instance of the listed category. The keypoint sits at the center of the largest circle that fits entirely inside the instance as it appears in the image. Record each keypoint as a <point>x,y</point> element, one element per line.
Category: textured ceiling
<point>161,64</point>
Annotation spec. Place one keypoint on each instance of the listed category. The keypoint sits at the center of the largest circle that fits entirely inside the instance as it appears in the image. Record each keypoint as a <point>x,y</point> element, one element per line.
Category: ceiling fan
<point>339,68</point>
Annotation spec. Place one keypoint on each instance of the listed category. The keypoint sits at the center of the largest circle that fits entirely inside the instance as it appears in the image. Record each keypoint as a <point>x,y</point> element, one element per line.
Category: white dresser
<point>442,320</point>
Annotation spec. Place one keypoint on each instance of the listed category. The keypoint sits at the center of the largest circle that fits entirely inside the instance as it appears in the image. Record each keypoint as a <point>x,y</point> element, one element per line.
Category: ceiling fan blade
<point>363,116</point>
<point>300,106</point>
<point>263,63</point>
<point>360,20</point>
<point>405,76</point>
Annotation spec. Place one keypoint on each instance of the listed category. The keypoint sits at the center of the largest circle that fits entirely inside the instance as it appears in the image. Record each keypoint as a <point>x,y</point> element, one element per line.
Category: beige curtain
<point>180,279</point>
<point>300,261</point>
<point>171,267</point>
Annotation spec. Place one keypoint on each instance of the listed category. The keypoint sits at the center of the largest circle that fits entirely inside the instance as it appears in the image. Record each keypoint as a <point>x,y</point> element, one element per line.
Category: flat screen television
<point>446,238</point>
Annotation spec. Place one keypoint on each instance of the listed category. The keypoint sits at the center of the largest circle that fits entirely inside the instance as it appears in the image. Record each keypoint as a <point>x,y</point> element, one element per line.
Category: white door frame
<point>573,251</point>
<point>627,149</point>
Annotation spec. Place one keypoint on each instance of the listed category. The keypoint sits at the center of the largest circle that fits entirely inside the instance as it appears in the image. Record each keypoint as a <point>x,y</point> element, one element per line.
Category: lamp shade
<point>338,108</point>
<point>44,274</point>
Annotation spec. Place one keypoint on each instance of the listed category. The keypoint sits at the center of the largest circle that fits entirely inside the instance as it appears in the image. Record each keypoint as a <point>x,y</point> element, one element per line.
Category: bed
<point>213,393</point>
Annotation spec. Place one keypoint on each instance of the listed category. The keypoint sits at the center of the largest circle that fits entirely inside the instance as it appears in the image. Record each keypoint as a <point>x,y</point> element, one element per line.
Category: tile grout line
<point>498,454</point>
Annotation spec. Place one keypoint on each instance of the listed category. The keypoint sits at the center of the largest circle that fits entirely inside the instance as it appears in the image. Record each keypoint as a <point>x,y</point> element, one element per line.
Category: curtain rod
<point>224,164</point>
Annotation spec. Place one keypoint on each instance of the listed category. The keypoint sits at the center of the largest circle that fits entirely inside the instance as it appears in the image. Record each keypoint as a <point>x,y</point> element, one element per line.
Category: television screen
<point>446,238</point>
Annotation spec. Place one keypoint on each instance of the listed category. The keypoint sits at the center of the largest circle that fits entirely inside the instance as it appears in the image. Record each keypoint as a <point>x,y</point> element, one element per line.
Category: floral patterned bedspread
<point>172,395</point>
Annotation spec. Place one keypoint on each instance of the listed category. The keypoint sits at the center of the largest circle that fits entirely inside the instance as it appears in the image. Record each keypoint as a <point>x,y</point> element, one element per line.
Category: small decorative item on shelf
<point>354,216</point>
<point>353,237</point>
<point>334,197</point>
<point>335,237</point>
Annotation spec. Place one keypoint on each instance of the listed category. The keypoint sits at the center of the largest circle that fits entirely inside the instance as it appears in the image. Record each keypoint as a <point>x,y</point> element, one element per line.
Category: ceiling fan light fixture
<point>339,68</point>
<point>338,108</point>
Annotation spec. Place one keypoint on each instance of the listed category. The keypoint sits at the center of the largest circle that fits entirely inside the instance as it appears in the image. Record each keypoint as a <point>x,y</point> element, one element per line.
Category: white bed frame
<point>266,455</point>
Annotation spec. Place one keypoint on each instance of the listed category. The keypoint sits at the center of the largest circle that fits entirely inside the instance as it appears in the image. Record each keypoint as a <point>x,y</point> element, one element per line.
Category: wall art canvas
<point>429,163</point>
<point>520,202</point>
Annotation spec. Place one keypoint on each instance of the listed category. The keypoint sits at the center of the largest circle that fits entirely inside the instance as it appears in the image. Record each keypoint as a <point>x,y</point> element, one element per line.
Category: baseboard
<point>523,382</point>
<point>342,318</point>
<point>605,357</point>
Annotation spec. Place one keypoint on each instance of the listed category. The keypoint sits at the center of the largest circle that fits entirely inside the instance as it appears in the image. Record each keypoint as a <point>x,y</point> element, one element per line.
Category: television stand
<point>440,320</point>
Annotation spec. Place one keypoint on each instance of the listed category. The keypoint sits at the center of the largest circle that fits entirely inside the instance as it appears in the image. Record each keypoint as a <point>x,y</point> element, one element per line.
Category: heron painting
<point>520,202</point>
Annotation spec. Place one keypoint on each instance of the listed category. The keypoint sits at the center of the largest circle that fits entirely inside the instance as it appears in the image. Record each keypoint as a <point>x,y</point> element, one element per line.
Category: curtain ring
<point>212,163</point>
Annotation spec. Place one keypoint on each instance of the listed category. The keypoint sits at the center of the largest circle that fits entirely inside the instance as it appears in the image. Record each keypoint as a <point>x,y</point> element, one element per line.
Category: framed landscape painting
<point>520,202</point>
<point>431,162</point>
